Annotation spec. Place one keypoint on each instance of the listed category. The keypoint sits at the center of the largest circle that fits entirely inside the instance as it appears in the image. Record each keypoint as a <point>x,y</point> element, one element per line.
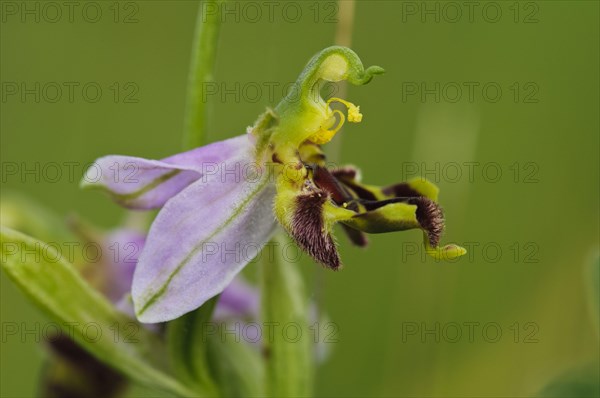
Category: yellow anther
<point>328,130</point>
<point>354,115</point>
<point>326,133</point>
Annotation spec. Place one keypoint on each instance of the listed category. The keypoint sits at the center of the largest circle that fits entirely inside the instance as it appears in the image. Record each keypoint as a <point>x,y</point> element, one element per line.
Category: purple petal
<point>238,300</point>
<point>121,252</point>
<point>199,241</point>
<point>139,183</point>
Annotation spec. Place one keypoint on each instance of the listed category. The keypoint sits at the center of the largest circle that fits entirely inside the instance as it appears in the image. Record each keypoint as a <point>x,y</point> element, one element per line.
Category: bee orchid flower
<point>221,199</point>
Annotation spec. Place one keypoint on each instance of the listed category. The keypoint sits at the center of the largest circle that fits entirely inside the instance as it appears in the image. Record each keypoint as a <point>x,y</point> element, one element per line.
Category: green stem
<point>202,67</point>
<point>187,343</point>
<point>284,312</point>
<point>185,337</point>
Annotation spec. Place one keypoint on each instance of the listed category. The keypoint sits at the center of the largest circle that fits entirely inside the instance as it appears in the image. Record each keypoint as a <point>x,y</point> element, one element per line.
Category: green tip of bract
<point>366,76</point>
<point>374,71</point>
<point>447,252</point>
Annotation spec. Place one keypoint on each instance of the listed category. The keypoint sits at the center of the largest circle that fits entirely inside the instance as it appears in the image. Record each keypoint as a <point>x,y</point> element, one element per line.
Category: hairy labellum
<point>309,229</point>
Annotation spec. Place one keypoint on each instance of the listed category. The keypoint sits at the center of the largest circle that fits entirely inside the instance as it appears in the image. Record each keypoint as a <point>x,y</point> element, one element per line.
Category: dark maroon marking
<point>345,173</point>
<point>376,204</point>
<point>326,181</point>
<point>401,189</point>
<point>356,237</point>
<point>429,214</point>
<point>353,205</point>
<point>360,191</point>
<point>431,218</point>
<point>266,352</point>
<point>95,378</point>
<point>276,159</point>
<point>347,177</point>
<point>307,229</point>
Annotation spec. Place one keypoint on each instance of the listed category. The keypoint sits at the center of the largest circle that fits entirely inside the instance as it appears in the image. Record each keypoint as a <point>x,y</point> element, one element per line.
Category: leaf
<point>87,317</point>
<point>21,212</point>
<point>288,349</point>
<point>237,366</point>
<point>187,344</point>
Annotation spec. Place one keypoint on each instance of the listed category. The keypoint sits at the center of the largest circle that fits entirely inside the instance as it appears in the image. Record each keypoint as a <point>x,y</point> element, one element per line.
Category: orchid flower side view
<point>229,194</point>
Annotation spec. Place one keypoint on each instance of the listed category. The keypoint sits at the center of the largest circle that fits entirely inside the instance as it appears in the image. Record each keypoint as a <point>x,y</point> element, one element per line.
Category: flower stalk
<point>283,305</point>
<point>202,65</point>
<point>187,346</point>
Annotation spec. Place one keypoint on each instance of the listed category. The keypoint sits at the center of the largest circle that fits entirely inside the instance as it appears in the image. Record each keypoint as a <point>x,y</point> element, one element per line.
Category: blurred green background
<point>531,230</point>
